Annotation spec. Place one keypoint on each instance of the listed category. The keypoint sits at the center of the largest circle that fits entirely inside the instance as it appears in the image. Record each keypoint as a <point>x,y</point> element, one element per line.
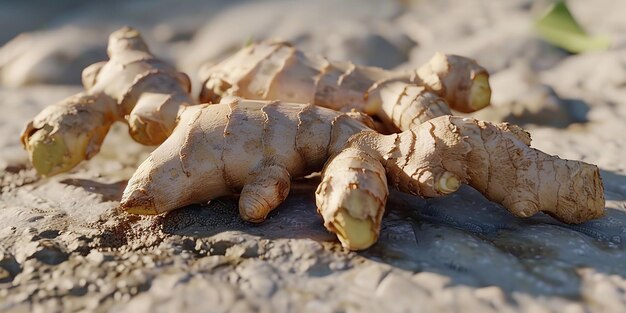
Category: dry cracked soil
<point>65,247</point>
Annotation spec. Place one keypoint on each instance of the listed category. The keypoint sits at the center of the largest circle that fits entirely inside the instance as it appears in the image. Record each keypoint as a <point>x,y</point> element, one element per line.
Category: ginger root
<point>133,86</point>
<point>435,158</point>
<point>254,148</point>
<point>277,71</point>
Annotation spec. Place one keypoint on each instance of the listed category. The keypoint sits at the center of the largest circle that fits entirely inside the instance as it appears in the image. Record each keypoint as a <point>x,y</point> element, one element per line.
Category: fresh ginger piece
<point>277,71</point>
<point>221,149</point>
<point>433,159</point>
<point>133,86</point>
<point>243,146</point>
<point>352,196</point>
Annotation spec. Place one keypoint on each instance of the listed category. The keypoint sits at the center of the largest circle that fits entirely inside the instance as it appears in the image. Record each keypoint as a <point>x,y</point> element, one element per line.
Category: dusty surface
<point>64,247</point>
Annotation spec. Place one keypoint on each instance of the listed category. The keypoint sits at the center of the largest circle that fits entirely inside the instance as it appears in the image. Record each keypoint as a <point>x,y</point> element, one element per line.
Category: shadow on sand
<point>465,237</point>
<point>108,191</point>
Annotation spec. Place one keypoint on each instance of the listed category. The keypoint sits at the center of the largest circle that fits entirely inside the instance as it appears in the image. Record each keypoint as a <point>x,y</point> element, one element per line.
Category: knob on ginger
<point>255,148</point>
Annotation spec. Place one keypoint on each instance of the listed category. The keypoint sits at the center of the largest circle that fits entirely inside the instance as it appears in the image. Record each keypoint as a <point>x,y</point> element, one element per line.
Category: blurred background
<point>51,41</point>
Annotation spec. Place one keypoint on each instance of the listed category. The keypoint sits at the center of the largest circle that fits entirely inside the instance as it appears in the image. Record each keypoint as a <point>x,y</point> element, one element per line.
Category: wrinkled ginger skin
<point>525,180</point>
<point>433,159</point>
<point>133,87</point>
<point>351,197</point>
<point>243,146</point>
<point>277,71</point>
<point>255,147</point>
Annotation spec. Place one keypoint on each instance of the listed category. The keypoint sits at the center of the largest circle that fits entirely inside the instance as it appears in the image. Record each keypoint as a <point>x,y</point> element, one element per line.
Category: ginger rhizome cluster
<point>253,145</point>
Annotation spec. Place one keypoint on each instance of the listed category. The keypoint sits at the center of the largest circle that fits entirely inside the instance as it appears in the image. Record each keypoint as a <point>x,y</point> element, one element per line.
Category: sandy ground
<point>65,247</point>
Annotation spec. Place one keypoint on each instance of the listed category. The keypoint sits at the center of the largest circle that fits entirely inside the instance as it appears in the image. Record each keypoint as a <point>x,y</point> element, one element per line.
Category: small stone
<point>4,274</point>
<point>95,257</point>
<point>339,265</point>
<point>369,277</point>
<point>121,284</point>
<point>45,251</point>
<point>431,281</point>
<point>133,258</point>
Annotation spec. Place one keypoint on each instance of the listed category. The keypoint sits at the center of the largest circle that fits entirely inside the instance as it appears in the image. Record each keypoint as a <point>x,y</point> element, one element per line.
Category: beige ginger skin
<point>133,87</point>
<point>254,148</point>
<point>401,100</point>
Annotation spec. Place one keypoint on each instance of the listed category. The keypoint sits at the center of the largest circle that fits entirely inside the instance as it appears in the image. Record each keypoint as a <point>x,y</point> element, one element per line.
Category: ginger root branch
<point>434,158</point>
<point>133,87</point>
<point>401,100</point>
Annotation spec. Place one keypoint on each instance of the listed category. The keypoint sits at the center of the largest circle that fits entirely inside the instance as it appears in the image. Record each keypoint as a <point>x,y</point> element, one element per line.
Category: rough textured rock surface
<point>64,246</point>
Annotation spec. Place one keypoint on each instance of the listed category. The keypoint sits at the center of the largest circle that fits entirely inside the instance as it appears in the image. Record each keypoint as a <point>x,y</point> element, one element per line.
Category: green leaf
<point>249,41</point>
<point>558,27</point>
